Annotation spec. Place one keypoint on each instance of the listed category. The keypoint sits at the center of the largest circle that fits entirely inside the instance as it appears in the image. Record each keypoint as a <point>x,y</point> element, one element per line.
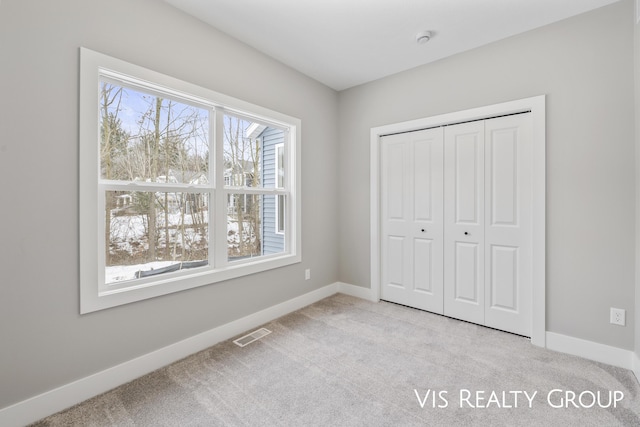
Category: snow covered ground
<point>129,235</point>
<point>120,273</point>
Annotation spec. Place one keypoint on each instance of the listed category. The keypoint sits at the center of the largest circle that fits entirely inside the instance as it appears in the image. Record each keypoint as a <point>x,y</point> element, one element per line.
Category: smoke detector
<point>423,36</point>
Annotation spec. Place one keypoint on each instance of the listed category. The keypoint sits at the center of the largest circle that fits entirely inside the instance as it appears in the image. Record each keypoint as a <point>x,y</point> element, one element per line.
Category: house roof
<point>254,130</point>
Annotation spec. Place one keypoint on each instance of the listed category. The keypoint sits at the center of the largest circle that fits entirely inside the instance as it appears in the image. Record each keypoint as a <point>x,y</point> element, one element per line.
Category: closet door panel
<point>465,280</point>
<point>503,278</point>
<point>508,223</point>
<point>466,149</point>
<point>464,222</point>
<point>423,259</point>
<point>394,238</point>
<point>412,223</point>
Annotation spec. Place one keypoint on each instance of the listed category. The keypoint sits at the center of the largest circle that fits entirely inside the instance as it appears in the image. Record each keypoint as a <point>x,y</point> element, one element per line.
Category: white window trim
<point>92,66</point>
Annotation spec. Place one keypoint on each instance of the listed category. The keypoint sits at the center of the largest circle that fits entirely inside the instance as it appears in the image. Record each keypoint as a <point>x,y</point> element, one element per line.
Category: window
<point>176,184</point>
<point>280,206</point>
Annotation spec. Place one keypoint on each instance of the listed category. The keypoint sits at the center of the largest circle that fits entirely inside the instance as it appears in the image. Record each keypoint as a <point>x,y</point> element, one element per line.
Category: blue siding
<point>271,241</point>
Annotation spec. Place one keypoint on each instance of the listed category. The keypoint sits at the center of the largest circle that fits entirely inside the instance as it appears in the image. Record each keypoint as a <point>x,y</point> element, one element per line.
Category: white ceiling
<point>344,43</point>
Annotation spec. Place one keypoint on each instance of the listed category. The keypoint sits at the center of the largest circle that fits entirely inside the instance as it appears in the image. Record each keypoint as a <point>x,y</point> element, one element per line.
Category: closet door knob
<point>422,230</point>
<point>466,233</point>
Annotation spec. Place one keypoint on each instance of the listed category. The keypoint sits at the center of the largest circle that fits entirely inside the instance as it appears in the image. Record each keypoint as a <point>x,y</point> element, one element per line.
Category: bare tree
<point>168,140</point>
<point>242,157</point>
<point>111,132</point>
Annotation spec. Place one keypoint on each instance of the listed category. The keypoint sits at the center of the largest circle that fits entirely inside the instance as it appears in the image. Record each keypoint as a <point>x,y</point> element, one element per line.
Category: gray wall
<point>585,67</point>
<point>45,343</point>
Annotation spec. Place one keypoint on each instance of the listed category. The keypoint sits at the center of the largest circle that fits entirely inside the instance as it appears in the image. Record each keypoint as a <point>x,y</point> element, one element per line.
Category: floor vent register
<point>253,336</point>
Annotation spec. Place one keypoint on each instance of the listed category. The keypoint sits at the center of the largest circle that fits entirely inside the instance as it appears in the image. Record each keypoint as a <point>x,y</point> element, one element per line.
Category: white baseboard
<point>63,397</point>
<point>55,400</point>
<point>356,291</point>
<point>563,343</point>
<point>590,350</point>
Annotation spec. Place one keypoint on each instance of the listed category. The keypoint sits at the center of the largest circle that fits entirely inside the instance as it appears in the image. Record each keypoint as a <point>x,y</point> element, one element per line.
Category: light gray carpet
<point>348,362</point>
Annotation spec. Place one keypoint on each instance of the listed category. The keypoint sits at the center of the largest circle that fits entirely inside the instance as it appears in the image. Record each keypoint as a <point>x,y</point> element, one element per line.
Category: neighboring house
<point>272,176</point>
<point>272,206</point>
<point>235,178</point>
<point>197,202</point>
<point>192,202</point>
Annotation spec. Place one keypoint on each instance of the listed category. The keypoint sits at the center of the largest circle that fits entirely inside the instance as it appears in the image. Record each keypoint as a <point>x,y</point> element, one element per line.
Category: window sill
<point>107,298</point>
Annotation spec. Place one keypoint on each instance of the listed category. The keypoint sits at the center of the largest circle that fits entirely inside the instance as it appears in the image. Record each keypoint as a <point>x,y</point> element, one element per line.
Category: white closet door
<point>508,145</point>
<point>411,219</point>
<point>464,296</point>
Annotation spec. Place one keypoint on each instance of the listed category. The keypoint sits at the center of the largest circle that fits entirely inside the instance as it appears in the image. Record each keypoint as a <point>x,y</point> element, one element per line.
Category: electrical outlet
<point>617,316</point>
<point>307,274</point>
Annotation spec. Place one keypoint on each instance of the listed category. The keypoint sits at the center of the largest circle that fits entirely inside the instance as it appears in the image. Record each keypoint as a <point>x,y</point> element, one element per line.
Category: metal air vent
<point>253,336</point>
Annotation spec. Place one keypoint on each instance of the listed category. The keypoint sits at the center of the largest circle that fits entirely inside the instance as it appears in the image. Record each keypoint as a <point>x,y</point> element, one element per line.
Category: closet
<point>455,218</point>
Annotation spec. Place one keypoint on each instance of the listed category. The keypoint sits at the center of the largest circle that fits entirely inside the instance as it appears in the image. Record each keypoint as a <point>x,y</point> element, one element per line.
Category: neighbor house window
<point>171,187</point>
